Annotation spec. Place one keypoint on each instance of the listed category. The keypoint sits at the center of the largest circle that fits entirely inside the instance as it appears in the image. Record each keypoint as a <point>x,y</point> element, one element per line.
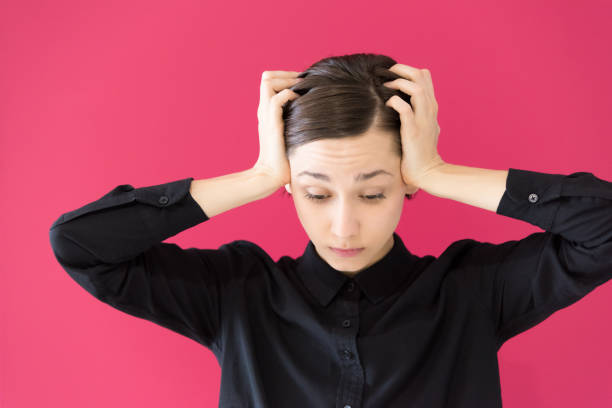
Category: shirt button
<point>346,323</point>
<point>533,197</point>
<point>347,354</point>
<point>350,286</point>
<point>163,200</point>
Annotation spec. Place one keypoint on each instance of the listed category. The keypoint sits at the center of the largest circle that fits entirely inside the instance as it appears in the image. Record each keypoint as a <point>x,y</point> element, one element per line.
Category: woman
<point>357,320</point>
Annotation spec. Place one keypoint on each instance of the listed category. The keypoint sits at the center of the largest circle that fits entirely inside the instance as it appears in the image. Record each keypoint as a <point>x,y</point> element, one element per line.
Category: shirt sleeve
<point>522,282</point>
<point>113,248</point>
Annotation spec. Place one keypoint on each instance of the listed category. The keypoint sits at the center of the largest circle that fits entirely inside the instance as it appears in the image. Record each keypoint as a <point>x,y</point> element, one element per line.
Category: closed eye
<point>319,197</point>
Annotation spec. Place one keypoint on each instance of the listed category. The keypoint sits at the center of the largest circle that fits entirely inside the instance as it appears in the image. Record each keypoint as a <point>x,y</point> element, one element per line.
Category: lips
<point>346,252</point>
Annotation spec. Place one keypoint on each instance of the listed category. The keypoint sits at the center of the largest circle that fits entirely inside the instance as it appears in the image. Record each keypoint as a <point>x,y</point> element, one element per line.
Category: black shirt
<point>408,331</point>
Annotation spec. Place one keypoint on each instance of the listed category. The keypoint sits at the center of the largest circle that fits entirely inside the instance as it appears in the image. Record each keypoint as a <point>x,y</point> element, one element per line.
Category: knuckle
<point>277,96</point>
<point>405,109</point>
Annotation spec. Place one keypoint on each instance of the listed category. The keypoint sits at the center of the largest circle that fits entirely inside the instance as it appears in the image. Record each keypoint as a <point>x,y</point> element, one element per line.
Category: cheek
<point>389,212</point>
<point>306,212</point>
<point>393,207</point>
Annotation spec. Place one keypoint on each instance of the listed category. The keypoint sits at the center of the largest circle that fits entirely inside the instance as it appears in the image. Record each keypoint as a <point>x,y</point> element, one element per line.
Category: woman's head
<point>336,130</point>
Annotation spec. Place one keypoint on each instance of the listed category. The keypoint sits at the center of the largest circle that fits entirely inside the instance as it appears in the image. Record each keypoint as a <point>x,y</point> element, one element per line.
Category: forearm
<point>123,224</point>
<point>475,186</point>
<point>219,194</point>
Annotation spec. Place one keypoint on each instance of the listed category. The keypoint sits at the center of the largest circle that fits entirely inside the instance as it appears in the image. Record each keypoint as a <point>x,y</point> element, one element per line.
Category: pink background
<point>100,93</point>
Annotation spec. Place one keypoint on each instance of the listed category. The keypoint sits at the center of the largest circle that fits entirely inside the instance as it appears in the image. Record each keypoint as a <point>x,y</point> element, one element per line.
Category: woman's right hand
<point>273,93</point>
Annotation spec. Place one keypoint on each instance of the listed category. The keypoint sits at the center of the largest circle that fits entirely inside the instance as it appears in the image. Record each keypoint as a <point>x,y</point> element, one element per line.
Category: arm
<point>522,282</point>
<point>470,185</point>
<point>112,247</point>
<point>220,194</point>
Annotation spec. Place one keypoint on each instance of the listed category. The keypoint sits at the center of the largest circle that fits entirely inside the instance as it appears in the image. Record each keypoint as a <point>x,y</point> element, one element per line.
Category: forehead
<point>372,149</point>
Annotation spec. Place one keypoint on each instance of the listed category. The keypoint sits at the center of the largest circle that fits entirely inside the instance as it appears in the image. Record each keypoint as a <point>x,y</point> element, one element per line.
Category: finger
<point>279,100</point>
<point>279,74</point>
<point>270,86</point>
<point>420,76</point>
<point>418,94</point>
<point>278,84</point>
<point>428,78</point>
<point>406,71</point>
<point>402,107</point>
<point>431,93</point>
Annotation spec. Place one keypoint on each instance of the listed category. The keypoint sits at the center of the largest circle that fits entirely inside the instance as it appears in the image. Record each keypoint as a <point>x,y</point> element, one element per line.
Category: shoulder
<point>248,256</point>
<point>472,252</point>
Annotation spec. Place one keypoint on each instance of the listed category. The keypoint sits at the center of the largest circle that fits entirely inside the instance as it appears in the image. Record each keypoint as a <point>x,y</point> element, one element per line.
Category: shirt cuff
<point>532,196</point>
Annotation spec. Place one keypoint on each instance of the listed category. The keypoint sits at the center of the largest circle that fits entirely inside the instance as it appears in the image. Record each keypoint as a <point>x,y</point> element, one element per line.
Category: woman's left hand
<point>419,125</point>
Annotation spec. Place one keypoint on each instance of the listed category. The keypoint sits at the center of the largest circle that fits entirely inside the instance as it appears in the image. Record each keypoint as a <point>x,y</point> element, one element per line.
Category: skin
<point>345,217</point>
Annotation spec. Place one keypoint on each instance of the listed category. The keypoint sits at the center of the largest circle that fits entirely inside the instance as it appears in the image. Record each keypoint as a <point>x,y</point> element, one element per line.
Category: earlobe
<point>411,190</point>
<point>288,188</point>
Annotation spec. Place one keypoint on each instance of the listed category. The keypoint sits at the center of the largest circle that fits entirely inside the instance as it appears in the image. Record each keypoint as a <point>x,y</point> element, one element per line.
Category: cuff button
<point>163,200</point>
<point>533,197</point>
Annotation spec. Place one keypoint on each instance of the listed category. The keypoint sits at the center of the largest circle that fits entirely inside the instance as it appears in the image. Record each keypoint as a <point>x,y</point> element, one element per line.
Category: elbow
<point>67,251</point>
<point>75,260</point>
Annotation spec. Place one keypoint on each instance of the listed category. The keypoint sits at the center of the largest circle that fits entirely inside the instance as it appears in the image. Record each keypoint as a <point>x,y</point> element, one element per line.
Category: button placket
<point>350,288</point>
<point>352,378</point>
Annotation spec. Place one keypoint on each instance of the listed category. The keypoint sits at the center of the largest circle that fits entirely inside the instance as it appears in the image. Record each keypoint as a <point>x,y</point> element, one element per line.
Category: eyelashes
<point>320,198</point>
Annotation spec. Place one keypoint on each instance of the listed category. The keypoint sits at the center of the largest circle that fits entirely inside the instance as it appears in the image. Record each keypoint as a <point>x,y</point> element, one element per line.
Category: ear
<point>288,188</point>
<point>409,189</point>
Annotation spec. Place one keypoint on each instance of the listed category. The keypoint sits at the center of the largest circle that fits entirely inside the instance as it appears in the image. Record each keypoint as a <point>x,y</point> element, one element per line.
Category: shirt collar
<point>376,281</point>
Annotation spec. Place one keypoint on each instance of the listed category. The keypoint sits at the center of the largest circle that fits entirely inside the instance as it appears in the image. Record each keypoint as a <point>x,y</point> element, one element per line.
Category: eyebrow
<point>358,177</point>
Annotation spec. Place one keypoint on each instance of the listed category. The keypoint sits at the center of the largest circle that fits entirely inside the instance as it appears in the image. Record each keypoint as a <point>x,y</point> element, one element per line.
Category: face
<point>338,211</point>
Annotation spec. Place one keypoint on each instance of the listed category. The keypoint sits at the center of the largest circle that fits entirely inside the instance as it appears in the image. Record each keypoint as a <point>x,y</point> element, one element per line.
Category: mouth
<point>346,252</point>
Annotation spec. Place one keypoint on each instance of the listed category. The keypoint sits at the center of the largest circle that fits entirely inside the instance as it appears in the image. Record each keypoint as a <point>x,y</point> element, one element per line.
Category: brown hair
<point>342,96</point>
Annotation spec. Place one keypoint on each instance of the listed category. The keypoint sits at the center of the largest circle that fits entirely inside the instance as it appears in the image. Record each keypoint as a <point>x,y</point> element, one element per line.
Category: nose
<point>345,223</point>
